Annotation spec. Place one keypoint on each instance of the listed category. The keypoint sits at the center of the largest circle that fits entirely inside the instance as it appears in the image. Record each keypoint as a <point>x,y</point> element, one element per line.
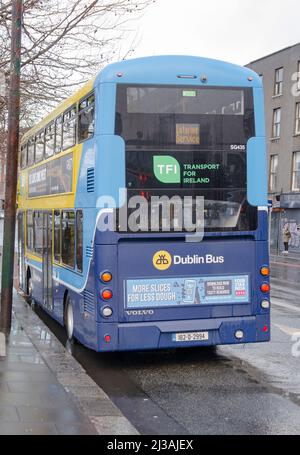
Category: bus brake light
<point>265,288</point>
<point>107,294</point>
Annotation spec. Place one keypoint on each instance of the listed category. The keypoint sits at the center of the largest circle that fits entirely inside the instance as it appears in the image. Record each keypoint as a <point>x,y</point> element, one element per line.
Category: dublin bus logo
<point>162,260</point>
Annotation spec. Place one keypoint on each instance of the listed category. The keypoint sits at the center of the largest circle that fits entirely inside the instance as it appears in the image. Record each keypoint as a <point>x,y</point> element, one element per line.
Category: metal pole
<point>11,169</point>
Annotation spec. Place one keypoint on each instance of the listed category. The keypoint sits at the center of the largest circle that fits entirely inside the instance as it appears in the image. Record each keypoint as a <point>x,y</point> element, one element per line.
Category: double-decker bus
<point>169,129</point>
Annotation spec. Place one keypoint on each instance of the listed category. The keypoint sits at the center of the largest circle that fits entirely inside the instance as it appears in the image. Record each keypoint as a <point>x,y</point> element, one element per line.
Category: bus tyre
<point>29,289</point>
<point>69,319</point>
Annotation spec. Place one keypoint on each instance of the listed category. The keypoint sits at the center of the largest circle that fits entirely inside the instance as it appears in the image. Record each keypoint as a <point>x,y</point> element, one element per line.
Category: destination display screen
<point>187,133</point>
<point>217,290</point>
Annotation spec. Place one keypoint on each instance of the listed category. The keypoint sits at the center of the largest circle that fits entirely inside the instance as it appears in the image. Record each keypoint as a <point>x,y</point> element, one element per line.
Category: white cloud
<point>234,30</point>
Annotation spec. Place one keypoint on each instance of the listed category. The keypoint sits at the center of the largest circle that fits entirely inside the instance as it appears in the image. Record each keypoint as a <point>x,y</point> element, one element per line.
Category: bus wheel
<point>29,288</point>
<point>69,319</point>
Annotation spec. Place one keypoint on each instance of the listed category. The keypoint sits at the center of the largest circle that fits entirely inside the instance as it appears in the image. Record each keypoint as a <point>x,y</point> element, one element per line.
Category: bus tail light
<point>106,294</point>
<point>265,271</point>
<point>107,338</point>
<point>265,328</point>
<point>265,288</point>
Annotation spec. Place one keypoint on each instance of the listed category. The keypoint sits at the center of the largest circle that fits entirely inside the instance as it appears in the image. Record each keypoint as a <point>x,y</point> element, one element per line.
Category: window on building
<point>298,76</point>
<point>69,128</point>
<point>39,147</point>
<point>276,123</point>
<point>38,233</point>
<point>278,82</point>
<point>58,134</point>
<point>68,238</point>
<point>297,121</point>
<point>29,230</point>
<point>57,236</point>
<point>273,172</point>
<point>296,172</point>
<point>30,152</point>
<point>79,239</point>
<point>23,156</point>
<point>86,118</point>
<point>49,140</point>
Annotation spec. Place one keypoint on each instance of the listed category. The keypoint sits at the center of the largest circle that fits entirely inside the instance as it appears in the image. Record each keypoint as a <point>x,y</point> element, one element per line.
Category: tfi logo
<point>166,169</point>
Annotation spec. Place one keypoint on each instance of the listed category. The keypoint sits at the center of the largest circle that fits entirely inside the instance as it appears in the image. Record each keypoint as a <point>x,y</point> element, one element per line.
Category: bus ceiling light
<point>265,271</point>
<point>250,78</point>
<point>265,304</point>
<point>265,288</point>
<point>107,312</point>
<point>119,74</point>
<point>106,294</point>
<point>106,277</point>
<point>203,78</point>
<point>239,334</point>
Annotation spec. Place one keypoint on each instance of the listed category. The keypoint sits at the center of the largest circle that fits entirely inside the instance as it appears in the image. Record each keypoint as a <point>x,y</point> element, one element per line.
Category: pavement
<point>44,390</point>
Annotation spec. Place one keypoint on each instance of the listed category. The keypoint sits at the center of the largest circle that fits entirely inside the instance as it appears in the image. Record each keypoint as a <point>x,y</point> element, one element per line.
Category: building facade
<point>280,72</point>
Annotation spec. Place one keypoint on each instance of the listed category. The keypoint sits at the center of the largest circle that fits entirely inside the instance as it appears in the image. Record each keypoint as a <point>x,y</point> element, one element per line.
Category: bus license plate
<point>191,336</point>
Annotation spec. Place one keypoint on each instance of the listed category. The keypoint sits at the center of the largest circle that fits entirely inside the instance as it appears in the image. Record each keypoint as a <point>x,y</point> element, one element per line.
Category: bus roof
<point>168,69</point>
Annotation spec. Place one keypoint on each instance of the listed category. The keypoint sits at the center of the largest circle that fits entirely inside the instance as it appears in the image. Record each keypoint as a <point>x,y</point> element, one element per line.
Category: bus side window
<point>57,236</point>
<point>79,239</point>
<point>68,238</point>
<point>30,153</point>
<point>23,156</point>
<point>49,140</point>
<point>39,147</point>
<point>58,134</point>
<point>69,129</point>
<point>38,233</point>
<point>29,230</point>
<point>86,118</point>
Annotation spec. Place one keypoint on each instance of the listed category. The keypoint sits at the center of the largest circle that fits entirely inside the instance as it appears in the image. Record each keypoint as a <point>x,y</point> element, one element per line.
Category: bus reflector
<point>265,271</point>
<point>107,338</point>
<point>106,277</point>
<point>107,294</point>
<point>265,287</point>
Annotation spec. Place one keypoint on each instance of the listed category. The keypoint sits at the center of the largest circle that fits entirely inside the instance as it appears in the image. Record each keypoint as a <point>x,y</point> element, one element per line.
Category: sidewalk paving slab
<point>44,390</point>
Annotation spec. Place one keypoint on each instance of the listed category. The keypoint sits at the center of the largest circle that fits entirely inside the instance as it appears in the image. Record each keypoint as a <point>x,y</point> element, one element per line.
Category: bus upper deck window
<point>39,147</point>
<point>58,134</point>
<point>30,152</point>
<point>69,129</point>
<point>49,140</point>
<point>86,121</point>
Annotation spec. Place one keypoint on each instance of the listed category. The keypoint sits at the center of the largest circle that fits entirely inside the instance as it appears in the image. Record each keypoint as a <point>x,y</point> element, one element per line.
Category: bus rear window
<point>187,101</point>
<point>185,141</point>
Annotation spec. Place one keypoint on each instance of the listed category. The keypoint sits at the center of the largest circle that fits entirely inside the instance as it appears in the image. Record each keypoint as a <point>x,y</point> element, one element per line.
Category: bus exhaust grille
<point>90,184</point>
<point>89,251</point>
<point>89,302</point>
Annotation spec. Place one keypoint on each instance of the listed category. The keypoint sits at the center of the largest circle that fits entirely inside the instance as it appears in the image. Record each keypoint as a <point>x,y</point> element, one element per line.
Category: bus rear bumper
<point>162,335</point>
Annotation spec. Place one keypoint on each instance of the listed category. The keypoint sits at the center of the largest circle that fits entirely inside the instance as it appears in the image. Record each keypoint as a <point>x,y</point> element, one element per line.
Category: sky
<point>238,31</point>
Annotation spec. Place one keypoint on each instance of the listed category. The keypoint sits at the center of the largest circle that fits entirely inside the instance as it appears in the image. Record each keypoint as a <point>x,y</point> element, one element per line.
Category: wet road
<point>251,389</point>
